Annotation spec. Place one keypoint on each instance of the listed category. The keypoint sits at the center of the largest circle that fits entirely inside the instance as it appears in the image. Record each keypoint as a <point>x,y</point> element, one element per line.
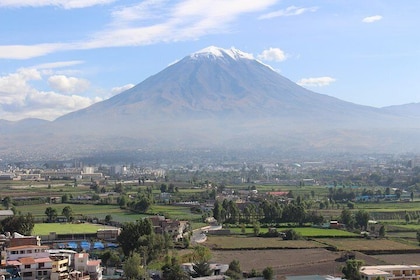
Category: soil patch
<point>285,262</point>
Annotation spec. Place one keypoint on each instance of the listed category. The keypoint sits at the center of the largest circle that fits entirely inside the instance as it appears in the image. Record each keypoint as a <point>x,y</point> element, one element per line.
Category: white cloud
<point>68,85</point>
<point>28,51</point>
<point>65,4</point>
<point>185,20</point>
<point>372,19</point>
<point>146,10</point>
<point>289,11</point>
<point>117,90</point>
<point>19,99</point>
<point>316,82</point>
<point>272,54</point>
<point>58,64</point>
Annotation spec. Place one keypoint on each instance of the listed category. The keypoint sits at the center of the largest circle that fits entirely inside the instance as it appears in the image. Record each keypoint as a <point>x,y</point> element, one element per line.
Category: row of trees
<point>52,214</point>
<point>267,211</point>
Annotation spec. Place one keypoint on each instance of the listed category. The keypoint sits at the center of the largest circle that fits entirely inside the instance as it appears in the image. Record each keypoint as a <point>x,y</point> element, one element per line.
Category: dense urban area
<point>211,216</point>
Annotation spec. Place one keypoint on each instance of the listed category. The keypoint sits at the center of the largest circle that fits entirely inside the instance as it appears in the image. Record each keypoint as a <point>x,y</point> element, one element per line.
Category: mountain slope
<point>217,98</point>
<point>411,109</point>
<point>216,82</point>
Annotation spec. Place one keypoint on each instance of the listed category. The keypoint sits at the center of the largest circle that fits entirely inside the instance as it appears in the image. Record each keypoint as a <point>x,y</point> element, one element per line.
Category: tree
<point>347,219</point>
<point>108,218</point>
<point>132,267</point>
<point>122,201</point>
<point>407,217</point>
<point>64,198</point>
<point>418,236</point>
<point>201,254</point>
<point>201,269</point>
<point>163,188</point>
<point>173,271</point>
<point>351,270</point>
<point>382,231</point>
<point>142,205</point>
<point>268,273</point>
<point>362,219</point>
<point>131,233</point>
<point>256,228</point>
<point>110,258</point>
<point>291,234</point>
<point>118,188</point>
<point>21,224</point>
<point>7,201</point>
<point>68,213</point>
<point>217,211</point>
<point>51,214</point>
<point>234,270</point>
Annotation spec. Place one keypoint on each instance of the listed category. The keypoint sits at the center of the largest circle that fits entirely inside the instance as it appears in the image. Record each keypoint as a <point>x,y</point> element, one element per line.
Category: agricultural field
<point>66,228</point>
<point>365,245</point>
<point>82,210</point>
<point>243,242</point>
<point>175,212</point>
<point>303,231</point>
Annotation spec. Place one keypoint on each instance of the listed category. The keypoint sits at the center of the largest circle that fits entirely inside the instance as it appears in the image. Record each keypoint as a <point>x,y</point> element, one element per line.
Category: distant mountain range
<point>218,99</point>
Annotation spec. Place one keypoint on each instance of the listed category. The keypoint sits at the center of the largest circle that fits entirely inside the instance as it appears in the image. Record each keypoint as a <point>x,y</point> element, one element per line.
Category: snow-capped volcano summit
<point>216,82</point>
<point>216,52</point>
<point>225,97</point>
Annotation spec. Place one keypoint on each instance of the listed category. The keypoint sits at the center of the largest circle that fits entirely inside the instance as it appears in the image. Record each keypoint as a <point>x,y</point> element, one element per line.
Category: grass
<point>175,212</point>
<point>243,242</point>
<point>304,231</point>
<point>315,232</point>
<point>65,228</point>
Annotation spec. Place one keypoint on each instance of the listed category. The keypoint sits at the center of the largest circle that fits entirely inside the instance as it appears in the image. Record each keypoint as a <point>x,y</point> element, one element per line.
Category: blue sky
<point>57,56</point>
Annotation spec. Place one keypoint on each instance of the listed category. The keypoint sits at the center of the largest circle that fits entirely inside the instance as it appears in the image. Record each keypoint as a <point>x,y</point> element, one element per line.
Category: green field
<point>175,212</point>
<point>66,228</point>
<point>304,231</point>
<point>242,242</point>
<point>83,210</point>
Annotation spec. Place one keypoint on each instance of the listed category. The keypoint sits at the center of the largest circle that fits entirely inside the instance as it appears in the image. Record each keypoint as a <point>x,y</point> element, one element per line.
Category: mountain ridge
<point>225,99</point>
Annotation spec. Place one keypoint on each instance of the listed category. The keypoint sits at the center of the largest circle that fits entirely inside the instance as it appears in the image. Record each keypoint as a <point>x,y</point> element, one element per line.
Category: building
<point>394,272</point>
<point>60,268</point>
<point>108,233</point>
<point>174,228</point>
<point>84,264</point>
<point>33,261</point>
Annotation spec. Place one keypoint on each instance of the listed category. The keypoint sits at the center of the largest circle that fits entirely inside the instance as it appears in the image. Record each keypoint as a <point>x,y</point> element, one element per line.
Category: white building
<point>394,272</point>
<point>93,267</point>
<point>33,261</point>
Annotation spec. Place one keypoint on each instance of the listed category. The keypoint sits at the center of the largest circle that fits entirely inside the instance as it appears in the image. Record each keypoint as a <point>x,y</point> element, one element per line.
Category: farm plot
<point>242,242</point>
<point>368,245</point>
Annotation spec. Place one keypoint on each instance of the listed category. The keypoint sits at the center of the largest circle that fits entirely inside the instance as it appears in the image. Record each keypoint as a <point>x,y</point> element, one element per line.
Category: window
<point>27,266</point>
<point>22,252</point>
<point>41,265</point>
<point>27,274</point>
<point>39,273</point>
